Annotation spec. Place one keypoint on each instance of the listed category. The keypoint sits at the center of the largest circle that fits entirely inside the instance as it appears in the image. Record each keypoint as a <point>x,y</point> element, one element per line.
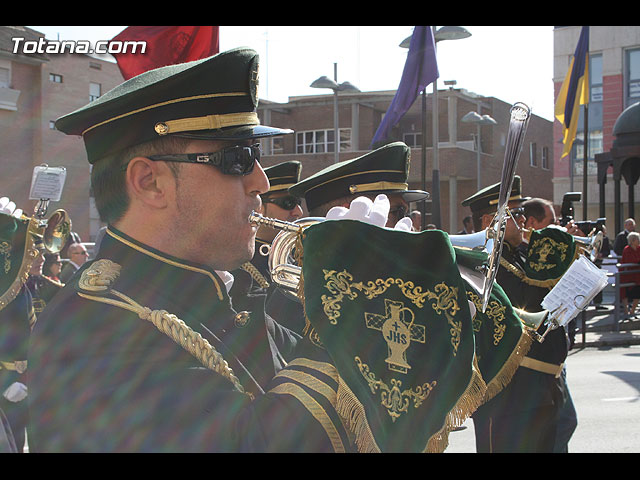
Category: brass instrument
<point>285,273</point>
<point>38,234</point>
<point>520,115</point>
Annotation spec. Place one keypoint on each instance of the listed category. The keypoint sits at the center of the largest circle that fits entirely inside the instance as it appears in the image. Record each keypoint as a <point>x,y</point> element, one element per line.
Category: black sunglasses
<point>517,211</point>
<point>399,212</point>
<point>237,160</point>
<point>286,203</point>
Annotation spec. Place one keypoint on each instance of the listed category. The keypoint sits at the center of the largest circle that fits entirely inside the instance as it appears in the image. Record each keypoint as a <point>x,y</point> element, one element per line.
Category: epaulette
<point>96,283</point>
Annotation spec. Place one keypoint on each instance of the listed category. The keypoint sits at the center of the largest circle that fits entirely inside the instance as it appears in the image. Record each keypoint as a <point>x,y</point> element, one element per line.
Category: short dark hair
<point>536,208</point>
<point>108,176</point>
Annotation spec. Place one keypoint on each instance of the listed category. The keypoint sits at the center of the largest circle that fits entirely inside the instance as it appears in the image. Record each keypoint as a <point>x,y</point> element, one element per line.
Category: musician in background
<point>540,214</point>
<point>384,170</point>
<point>254,276</point>
<point>523,417</point>
<point>467,224</point>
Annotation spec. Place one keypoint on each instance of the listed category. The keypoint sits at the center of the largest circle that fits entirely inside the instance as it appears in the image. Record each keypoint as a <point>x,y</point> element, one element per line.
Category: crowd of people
<point>175,337</point>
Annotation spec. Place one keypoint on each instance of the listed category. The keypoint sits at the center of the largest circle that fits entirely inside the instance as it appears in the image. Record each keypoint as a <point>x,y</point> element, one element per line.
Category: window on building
<point>632,76</point>
<point>95,65</point>
<point>413,140</point>
<point>322,141</point>
<point>5,76</point>
<point>595,70</point>
<point>94,91</point>
<point>545,158</point>
<point>55,78</point>
<point>533,160</point>
<point>272,146</point>
<point>52,124</point>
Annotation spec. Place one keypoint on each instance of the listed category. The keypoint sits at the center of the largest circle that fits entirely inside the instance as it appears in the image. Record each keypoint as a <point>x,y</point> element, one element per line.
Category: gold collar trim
<point>170,262</point>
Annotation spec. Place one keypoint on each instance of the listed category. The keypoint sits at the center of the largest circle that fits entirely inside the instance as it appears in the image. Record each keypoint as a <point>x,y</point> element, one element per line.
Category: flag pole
<point>435,174</point>
<point>585,150</point>
<point>423,204</point>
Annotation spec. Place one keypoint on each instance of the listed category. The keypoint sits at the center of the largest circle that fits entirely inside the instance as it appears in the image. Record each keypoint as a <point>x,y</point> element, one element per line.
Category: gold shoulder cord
<point>101,276</point>
<point>251,269</point>
<point>530,281</point>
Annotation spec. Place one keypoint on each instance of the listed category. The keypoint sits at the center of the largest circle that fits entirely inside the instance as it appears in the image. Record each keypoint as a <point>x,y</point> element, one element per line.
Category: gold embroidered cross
<point>397,332</point>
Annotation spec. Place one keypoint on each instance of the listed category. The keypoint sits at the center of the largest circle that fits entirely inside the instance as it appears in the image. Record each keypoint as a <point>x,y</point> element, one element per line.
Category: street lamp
<point>444,33</point>
<point>326,82</point>
<point>475,117</point>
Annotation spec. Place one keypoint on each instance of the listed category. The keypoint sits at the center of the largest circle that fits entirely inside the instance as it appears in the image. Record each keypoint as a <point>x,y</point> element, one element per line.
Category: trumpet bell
<point>591,245</point>
<point>283,265</point>
<point>57,231</point>
<point>533,320</point>
<point>474,241</point>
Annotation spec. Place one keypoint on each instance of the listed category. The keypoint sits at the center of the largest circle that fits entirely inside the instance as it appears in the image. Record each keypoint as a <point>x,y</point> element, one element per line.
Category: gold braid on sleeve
<point>100,276</point>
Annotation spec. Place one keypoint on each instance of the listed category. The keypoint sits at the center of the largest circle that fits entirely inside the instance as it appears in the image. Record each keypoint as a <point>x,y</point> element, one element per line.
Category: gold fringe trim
<point>468,403</point>
<point>508,370</point>
<point>353,416</point>
<point>355,421</point>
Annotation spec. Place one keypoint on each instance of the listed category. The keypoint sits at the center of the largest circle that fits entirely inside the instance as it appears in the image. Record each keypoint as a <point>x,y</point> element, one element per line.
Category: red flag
<point>164,46</point>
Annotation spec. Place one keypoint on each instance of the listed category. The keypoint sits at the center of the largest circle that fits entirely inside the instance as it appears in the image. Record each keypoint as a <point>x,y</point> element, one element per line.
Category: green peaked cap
<point>214,98</point>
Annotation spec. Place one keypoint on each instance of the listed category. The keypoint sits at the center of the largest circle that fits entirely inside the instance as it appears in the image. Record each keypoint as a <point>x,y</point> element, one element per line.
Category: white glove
<point>16,392</point>
<point>373,213</point>
<point>9,208</point>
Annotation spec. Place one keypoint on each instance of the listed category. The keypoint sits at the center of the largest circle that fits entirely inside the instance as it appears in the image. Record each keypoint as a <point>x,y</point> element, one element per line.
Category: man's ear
<point>150,182</point>
<point>486,220</point>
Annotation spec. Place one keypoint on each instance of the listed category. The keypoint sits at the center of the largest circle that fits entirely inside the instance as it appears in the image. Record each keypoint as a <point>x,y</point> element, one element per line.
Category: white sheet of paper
<point>47,183</point>
<point>575,290</point>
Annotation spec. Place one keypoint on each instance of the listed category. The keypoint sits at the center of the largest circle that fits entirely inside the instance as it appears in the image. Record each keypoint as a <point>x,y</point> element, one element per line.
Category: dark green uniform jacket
<point>104,379</point>
<point>521,418</point>
<point>286,311</point>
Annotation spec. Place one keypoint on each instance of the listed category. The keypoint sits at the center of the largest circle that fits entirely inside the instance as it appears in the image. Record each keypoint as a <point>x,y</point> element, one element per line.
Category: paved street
<point>605,386</point>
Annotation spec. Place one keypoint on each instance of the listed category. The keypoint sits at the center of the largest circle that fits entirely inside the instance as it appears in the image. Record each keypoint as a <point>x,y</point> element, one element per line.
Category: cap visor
<point>415,195</point>
<point>236,133</point>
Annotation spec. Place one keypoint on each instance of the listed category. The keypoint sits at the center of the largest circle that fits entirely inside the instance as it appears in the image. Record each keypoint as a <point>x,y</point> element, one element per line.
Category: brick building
<point>36,89</point>
<point>359,115</point>
<point>614,54</point>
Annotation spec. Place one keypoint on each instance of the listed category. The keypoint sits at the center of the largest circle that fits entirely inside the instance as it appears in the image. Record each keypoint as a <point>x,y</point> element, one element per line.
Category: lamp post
<point>475,117</point>
<point>444,33</point>
<point>326,82</point>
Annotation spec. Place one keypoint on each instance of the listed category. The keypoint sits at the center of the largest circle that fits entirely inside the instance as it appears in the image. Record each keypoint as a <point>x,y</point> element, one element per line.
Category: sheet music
<point>575,290</point>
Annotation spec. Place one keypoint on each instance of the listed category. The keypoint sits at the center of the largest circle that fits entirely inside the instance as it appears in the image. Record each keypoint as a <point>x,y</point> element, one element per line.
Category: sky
<point>511,63</point>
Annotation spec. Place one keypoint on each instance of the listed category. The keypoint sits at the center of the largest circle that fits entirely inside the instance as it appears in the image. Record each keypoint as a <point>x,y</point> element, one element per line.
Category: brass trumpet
<point>285,273</point>
<point>520,115</point>
<point>37,233</point>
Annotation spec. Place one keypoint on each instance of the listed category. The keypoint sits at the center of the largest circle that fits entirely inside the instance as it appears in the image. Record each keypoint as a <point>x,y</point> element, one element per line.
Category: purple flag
<point>420,69</point>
